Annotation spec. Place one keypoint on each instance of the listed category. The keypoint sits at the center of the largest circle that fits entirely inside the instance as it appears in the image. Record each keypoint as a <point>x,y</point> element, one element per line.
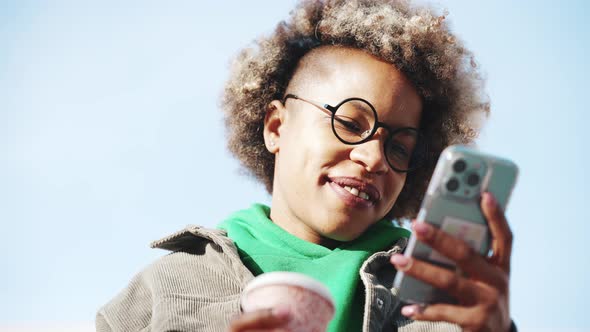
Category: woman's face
<point>313,168</point>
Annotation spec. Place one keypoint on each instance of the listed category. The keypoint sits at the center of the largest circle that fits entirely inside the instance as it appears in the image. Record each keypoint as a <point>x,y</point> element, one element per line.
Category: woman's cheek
<point>394,188</point>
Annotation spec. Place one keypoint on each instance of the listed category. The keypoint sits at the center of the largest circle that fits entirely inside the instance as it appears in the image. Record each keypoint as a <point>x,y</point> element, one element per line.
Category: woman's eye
<point>398,151</point>
<point>351,126</point>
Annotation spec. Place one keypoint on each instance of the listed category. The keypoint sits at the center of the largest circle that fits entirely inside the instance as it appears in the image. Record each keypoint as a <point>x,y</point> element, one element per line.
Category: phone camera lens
<point>473,179</point>
<point>459,166</point>
<point>452,184</point>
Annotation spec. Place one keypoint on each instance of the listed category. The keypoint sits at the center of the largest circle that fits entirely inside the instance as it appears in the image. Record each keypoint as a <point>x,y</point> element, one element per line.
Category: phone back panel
<point>452,203</point>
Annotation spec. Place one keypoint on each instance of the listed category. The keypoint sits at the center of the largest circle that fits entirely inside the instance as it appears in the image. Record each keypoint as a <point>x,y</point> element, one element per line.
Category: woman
<point>341,113</point>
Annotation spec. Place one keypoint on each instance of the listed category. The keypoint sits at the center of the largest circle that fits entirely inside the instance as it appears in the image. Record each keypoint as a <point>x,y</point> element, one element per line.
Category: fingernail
<point>400,261</point>
<point>489,200</point>
<point>422,228</point>
<point>409,310</point>
<point>281,312</point>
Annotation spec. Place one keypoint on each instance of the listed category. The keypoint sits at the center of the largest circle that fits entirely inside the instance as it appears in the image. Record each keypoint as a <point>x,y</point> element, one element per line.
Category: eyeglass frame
<point>378,124</point>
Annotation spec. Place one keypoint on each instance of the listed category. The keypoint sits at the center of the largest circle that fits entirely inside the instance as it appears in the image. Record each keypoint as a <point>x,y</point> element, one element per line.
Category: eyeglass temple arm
<point>328,109</point>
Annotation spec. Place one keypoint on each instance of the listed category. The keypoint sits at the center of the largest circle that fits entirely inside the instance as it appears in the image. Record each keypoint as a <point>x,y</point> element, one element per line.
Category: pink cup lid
<point>289,279</point>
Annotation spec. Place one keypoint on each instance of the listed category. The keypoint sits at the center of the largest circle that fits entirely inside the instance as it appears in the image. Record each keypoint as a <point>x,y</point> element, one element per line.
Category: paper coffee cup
<point>308,300</point>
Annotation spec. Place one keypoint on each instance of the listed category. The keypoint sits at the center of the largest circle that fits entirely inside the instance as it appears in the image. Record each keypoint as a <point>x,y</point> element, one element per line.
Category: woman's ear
<point>272,125</point>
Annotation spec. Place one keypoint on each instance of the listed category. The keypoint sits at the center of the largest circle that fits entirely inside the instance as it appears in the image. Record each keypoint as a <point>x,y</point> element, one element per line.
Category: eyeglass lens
<point>354,121</point>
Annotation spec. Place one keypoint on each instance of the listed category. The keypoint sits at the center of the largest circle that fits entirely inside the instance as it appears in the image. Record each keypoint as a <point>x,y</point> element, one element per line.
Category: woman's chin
<point>344,234</point>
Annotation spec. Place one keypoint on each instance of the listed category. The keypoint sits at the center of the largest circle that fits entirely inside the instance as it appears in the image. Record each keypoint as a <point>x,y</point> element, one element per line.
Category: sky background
<point>111,137</point>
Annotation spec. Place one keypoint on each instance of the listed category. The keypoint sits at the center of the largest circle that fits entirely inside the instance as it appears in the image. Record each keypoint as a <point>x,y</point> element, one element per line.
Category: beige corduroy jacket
<point>197,288</point>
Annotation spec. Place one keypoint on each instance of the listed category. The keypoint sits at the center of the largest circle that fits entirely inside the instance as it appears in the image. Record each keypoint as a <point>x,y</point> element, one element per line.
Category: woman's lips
<point>365,189</point>
<point>348,198</point>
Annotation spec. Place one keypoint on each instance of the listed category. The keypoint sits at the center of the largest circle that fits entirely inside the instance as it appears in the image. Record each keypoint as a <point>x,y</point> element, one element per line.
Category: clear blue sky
<point>110,137</point>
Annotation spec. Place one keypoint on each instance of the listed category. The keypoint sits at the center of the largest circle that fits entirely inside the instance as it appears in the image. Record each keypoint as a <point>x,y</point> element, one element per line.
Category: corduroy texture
<point>197,288</point>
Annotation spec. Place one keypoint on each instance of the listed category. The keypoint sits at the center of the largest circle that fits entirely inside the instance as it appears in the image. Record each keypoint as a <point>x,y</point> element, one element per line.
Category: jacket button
<point>379,303</point>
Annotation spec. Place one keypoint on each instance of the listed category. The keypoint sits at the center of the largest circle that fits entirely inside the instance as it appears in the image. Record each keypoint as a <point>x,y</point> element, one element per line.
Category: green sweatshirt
<point>265,247</point>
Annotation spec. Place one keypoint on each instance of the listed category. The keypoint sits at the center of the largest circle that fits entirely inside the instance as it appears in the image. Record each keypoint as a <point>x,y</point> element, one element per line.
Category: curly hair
<point>415,39</point>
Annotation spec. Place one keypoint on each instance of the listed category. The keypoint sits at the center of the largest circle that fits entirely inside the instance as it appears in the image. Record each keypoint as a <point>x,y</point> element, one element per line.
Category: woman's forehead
<point>331,74</point>
<point>347,67</point>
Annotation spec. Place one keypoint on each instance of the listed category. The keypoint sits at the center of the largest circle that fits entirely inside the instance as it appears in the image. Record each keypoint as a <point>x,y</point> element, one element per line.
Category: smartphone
<point>452,204</point>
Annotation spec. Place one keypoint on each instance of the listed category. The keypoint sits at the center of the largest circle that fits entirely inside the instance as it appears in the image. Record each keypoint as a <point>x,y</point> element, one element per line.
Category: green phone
<point>452,203</point>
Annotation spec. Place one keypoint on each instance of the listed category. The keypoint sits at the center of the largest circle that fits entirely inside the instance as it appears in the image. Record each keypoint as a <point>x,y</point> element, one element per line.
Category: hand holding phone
<point>475,285</point>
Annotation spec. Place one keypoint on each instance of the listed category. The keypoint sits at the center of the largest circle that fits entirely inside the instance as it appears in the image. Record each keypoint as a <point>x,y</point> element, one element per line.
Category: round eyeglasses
<point>354,121</point>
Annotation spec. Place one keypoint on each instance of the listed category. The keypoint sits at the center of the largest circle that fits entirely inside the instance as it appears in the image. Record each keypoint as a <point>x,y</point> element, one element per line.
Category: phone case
<point>452,203</point>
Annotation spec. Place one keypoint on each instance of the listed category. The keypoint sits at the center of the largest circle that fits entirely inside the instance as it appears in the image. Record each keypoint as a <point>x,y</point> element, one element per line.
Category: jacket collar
<point>193,236</point>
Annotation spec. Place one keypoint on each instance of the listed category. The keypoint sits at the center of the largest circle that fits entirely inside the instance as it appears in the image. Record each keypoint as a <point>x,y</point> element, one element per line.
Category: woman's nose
<point>370,154</point>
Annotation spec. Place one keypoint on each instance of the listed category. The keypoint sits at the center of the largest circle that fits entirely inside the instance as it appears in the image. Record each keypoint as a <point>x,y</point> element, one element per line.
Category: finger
<point>500,231</point>
<point>467,259</point>
<point>260,319</point>
<point>464,290</point>
<point>467,317</point>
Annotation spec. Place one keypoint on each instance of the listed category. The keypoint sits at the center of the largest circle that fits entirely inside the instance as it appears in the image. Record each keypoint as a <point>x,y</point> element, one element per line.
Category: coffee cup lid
<point>291,279</point>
